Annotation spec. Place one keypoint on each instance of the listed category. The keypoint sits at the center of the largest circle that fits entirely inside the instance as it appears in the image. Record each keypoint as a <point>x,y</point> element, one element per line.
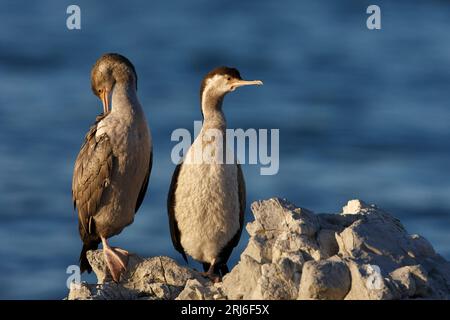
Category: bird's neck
<point>124,100</point>
<point>213,117</point>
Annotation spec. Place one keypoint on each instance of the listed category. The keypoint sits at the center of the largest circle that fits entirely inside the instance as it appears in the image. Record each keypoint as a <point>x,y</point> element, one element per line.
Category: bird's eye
<point>100,90</point>
<point>229,78</point>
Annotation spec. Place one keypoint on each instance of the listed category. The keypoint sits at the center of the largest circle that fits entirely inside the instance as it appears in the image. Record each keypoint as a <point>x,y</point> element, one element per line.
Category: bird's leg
<point>211,274</point>
<point>116,259</point>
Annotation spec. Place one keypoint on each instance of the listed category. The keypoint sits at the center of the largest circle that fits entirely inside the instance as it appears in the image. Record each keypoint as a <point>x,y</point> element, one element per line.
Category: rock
<point>336,222</point>
<point>196,290</point>
<point>293,243</point>
<point>422,246</point>
<point>106,291</point>
<point>292,253</point>
<point>152,278</point>
<point>325,280</point>
<point>276,215</point>
<point>79,292</point>
<point>326,240</point>
<point>243,279</point>
<point>275,284</point>
<point>355,207</point>
<point>259,250</point>
<point>376,238</point>
<point>405,281</point>
<point>368,283</point>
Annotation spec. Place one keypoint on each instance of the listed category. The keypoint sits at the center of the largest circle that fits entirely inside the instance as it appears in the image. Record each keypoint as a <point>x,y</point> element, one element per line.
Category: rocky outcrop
<point>146,279</point>
<point>292,253</point>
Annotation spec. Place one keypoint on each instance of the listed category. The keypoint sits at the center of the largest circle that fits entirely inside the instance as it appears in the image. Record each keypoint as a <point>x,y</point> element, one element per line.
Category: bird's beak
<point>241,83</point>
<point>105,101</point>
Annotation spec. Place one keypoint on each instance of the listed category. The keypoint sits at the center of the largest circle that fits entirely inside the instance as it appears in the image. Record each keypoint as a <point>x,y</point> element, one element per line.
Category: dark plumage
<point>171,201</point>
<point>87,189</point>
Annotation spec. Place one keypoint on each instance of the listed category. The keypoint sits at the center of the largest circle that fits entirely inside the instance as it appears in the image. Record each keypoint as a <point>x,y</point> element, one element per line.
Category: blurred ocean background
<point>362,114</point>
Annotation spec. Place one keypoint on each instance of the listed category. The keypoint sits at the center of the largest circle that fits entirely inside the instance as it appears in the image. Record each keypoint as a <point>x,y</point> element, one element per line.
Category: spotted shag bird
<point>206,201</point>
<point>112,170</point>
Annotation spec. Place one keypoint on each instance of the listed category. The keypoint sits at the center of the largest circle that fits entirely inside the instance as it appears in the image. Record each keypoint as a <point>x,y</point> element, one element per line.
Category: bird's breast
<point>207,208</point>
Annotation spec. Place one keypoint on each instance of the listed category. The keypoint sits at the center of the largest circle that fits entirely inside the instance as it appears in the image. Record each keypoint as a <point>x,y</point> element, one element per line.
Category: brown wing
<point>174,231</point>
<point>91,176</point>
<point>144,186</point>
<point>226,251</point>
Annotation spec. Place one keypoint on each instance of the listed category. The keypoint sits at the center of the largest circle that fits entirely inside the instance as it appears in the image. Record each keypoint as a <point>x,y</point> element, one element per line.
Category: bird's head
<point>111,68</point>
<point>217,83</point>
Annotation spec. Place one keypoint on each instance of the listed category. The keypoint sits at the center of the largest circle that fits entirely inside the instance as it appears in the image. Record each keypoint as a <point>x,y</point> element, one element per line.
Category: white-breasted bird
<point>206,201</point>
<point>112,170</point>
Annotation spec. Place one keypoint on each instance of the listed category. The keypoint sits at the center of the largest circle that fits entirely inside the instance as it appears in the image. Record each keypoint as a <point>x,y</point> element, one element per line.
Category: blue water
<point>362,114</point>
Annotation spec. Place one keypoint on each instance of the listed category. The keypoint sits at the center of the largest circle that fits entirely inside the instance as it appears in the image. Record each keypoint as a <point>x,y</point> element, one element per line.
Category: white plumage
<point>206,202</point>
<point>207,206</point>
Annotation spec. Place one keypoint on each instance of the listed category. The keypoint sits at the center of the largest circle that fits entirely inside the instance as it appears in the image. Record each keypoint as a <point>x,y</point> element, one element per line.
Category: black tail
<point>84,263</point>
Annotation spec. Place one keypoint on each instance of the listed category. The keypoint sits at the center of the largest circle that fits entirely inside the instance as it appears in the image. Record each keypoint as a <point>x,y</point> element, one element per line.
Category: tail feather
<point>84,262</point>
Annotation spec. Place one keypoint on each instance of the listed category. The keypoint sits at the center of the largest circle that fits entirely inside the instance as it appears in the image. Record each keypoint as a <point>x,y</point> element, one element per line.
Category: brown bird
<point>112,170</point>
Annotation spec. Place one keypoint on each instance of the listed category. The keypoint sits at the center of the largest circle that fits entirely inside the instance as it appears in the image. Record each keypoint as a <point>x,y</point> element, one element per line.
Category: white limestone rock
<point>292,253</point>
<point>325,280</point>
<point>152,278</point>
<point>242,279</point>
<point>326,239</point>
<point>275,283</point>
<point>201,290</point>
<point>368,283</point>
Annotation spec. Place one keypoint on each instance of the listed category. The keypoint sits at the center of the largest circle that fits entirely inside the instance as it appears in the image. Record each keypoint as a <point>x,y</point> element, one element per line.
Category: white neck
<point>212,112</point>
